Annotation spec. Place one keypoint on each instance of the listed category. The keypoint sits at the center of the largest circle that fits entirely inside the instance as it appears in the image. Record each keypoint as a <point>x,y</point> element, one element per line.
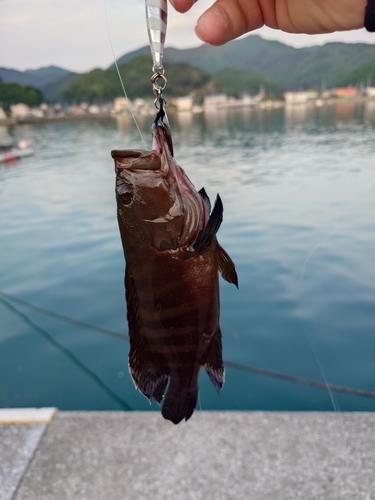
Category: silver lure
<point>156,17</point>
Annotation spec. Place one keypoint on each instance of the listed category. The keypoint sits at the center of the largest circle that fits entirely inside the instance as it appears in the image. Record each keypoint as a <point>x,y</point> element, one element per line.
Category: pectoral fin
<point>144,365</point>
<point>226,266</point>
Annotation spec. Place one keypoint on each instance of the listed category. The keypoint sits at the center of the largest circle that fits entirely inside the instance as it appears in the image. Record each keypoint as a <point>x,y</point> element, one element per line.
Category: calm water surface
<point>299,200</point>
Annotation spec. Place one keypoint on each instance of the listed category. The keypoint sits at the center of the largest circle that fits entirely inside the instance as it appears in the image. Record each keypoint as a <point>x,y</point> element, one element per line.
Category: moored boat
<point>10,153</point>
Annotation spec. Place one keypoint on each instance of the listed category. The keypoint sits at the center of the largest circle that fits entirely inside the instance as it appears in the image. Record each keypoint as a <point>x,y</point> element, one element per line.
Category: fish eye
<point>125,193</point>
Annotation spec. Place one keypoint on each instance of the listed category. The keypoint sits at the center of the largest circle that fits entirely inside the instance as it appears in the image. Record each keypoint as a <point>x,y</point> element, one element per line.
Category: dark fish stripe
<point>166,285</point>
<point>168,323</point>
<point>172,349</point>
<point>181,366</point>
<point>171,339</point>
<point>169,316</point>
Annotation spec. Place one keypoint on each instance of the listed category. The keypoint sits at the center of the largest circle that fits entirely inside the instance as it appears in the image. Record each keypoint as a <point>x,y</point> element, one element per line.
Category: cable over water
<point>123,404</point>
<point>228,364</point>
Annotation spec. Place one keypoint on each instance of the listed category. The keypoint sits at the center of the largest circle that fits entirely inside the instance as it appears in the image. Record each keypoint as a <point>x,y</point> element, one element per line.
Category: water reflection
<point>369,112</point>
<point>345,111</point>
<point>5,138</point>
<point>184,119</point>
<point>298,113</point>
<point>124,123</point>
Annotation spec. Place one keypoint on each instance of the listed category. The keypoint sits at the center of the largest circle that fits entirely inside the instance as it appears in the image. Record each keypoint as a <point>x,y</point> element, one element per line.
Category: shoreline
<point>268,104</point>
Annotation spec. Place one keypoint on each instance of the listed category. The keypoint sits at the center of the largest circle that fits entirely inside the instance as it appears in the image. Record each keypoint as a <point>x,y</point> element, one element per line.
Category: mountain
<point>104,85</point>
<point>329,64</point>
<point>363,75</point>
<point>287,66</point>
<point>131,55</point>
<point>253,53</point>
<point>37,78</point>
<point>13,76</point>
<point>47,75</point>
<point>233,82</point>
<point>53,91</point>
<point>243,64</point>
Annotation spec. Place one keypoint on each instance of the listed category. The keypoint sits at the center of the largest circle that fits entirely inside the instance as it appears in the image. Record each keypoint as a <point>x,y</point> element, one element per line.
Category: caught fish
<point>172,256</point>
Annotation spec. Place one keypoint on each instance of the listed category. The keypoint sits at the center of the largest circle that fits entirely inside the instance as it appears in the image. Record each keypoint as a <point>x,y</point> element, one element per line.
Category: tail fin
<point>180,400</point>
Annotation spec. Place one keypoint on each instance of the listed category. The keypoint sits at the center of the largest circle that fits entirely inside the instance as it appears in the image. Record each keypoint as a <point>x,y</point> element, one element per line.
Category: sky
<point>73,34</point>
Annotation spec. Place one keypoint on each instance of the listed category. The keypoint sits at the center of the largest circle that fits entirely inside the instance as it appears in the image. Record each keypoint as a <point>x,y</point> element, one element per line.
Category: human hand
<point>228,19</point>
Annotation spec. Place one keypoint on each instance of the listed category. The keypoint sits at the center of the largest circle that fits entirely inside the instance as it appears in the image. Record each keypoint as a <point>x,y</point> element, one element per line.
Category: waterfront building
<point>184,103</point>
<point>20,110</point>
<point>346,92</point>
<point>120,104</point>
<point>301,97</point>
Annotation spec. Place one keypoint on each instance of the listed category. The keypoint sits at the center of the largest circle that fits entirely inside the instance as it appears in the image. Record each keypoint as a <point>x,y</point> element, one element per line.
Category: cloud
<point>73,34</point>
<point>69,33</point>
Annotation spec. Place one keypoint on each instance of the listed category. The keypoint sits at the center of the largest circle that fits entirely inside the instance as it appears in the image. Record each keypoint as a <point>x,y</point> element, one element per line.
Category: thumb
<point>227,20</point>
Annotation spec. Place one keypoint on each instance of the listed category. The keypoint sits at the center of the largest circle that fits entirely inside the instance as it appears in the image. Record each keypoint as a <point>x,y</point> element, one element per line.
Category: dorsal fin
<point>205,236</point>
<point>226,266</point>
<point>206,199</point>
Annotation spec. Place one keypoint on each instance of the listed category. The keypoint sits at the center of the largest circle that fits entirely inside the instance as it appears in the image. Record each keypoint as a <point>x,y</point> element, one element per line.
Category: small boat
<point>9,152</point>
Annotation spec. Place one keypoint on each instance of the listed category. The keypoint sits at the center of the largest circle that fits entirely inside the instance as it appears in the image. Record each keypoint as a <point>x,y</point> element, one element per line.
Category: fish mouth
<point>136,159</point>
<point>140,159</point>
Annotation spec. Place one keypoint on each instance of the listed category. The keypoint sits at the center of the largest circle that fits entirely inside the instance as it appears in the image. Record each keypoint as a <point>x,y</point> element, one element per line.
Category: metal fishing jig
<point>156,18</point>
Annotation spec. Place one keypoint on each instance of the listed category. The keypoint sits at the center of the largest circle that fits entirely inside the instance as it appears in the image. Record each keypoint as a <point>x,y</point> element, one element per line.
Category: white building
<point>301,97</point>
<point>183,103</point>
<point>94,109</point>
<point>120,104</point>
<point>20,110</point>
<point>215,101</point>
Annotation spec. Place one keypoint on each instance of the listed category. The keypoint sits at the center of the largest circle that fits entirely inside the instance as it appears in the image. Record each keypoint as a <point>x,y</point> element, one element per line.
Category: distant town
<point>22,113</point>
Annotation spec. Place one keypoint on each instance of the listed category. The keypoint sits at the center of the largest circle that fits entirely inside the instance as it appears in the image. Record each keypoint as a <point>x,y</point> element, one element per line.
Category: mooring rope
<point>123,404</point>
<point>228,364</point>
<point>300,380</point>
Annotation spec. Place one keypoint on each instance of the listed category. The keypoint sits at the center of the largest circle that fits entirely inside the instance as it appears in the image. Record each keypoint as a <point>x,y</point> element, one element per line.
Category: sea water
<point>297,186</point>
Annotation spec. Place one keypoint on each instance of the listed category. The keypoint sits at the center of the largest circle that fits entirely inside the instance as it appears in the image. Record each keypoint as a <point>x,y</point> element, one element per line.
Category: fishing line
<point>302,276</point>
<point>329,387</point>
<point>328,236</point>
<point>119,74</point>
<point>124,405</point>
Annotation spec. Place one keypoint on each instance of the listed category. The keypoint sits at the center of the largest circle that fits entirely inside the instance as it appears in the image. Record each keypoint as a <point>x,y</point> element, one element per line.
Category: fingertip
<point>182,6</point>
<point>214,27</point>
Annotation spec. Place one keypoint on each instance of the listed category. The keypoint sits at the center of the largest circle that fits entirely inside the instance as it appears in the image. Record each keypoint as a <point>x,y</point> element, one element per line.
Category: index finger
<point>182,5</point>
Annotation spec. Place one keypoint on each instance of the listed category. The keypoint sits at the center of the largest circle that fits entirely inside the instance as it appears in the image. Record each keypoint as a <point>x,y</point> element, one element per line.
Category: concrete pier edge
<point>46,454</point>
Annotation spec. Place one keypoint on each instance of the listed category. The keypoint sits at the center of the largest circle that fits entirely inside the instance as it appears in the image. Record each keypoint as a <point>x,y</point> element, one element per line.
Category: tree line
<point>13,93</point>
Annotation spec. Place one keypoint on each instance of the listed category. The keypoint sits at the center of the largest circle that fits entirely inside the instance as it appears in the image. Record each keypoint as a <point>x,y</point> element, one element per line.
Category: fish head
<point>157,203</point>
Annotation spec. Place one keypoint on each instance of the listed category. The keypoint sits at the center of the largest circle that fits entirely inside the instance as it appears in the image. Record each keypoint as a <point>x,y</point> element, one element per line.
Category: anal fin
<point>213,361</point>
